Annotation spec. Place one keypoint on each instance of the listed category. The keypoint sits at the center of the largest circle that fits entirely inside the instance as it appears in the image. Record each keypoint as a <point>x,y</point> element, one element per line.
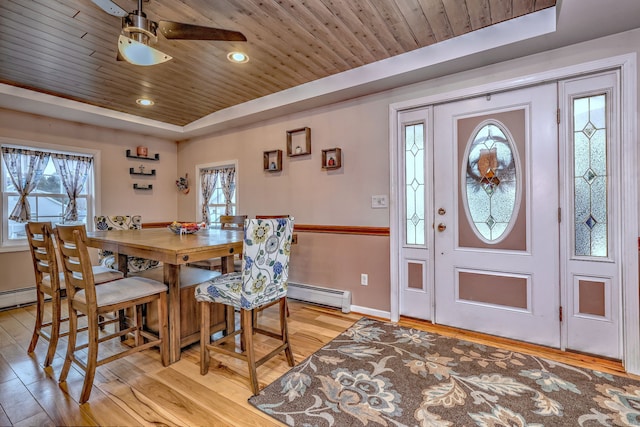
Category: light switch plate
<point>379,202</point>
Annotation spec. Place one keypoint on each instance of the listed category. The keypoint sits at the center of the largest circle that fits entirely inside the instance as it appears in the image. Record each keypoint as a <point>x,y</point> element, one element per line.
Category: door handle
<point>441,227</point>
<point>441,211</point>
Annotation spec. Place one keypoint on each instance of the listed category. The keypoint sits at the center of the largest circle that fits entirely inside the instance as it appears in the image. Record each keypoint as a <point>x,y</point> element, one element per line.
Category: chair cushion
<point>123,290</point>
<point>225,289</point>
<point>100,275</point>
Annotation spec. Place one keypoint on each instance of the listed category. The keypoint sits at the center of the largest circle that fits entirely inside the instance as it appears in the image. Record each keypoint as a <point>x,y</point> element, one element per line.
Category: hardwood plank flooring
<point>138,390</point>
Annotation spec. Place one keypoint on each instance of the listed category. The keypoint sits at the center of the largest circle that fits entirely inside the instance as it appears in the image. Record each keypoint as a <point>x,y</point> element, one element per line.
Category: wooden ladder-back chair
<point>84,297</point>
<point>50,282</point>
<point>232,221</point>
<point>263,280</point>
<point>227,222</point>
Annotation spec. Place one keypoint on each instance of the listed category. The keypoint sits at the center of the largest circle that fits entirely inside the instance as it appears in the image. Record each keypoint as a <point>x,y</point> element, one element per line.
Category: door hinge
<point>561,313</point>
<point>558,116</point>
<point>559,214</point>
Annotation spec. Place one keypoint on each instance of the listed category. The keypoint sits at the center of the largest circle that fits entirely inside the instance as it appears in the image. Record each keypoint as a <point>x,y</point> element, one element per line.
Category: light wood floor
<point>138,390</point>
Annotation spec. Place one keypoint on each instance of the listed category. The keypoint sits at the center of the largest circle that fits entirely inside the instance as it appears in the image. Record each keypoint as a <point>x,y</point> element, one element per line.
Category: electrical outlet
<point>364,279</point>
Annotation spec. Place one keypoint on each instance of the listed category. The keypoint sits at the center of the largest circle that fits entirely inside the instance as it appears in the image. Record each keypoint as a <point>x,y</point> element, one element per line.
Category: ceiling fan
<point>138,31</point>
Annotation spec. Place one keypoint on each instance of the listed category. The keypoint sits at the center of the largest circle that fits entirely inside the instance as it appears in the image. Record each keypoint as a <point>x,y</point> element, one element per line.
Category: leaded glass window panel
<point>590,176</point>
<point>414,161</point>
<point>491,182</point>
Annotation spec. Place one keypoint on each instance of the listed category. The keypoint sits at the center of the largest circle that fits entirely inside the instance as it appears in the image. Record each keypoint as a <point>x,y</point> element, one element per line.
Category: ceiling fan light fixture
<point>238,57</point>
<point>139,52</point>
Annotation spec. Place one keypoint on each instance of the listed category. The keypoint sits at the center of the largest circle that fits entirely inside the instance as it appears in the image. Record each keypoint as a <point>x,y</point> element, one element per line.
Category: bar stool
<point>50,283</point>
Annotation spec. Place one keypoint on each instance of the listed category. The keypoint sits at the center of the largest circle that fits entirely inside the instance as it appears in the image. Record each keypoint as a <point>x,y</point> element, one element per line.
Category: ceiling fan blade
<point>110,7</point>
<point>177,30</point>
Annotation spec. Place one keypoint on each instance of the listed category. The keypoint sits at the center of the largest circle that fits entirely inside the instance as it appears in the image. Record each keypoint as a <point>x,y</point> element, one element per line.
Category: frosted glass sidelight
<point>491,184</point>
<point>414,161</point>
<point>590,176</point>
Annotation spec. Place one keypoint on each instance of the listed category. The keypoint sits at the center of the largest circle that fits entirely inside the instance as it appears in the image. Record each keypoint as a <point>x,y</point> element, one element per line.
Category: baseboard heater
<point>17,298</point>
<point>321,296</point>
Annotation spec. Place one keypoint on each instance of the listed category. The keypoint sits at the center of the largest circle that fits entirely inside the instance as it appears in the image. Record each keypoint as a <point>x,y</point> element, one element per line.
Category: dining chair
<point>227,222</point>
<point>255,313</point>
<point>83,297</point>
<point>122,222</point>
<point>50,282</point>
<point>263,280</point>
<point>231,222</point>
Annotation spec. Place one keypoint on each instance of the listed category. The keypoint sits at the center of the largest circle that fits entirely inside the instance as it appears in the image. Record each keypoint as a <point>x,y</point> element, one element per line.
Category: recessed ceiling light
<point>237,57</point>
<point>144,101</point>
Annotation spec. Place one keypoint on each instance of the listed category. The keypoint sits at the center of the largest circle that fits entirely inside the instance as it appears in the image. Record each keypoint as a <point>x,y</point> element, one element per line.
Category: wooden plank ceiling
<point>68,48</point>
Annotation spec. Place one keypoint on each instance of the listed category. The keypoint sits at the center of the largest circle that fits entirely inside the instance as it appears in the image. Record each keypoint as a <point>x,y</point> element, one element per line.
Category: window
<point>218,184</point>
<point>590,130</point>
<point>48,201</point>
<point>491,181</point>
<point>414,160</point>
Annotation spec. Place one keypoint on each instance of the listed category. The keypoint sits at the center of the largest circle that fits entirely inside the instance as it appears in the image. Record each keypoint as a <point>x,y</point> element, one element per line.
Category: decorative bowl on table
<point>185,227</point>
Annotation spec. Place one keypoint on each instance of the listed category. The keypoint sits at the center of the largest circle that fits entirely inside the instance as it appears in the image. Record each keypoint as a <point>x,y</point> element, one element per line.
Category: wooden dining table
<point>174,251</point>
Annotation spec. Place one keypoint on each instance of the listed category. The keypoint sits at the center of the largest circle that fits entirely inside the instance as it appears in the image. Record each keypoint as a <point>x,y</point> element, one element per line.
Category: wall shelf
<point>132,171</point>
<point>332,158</point>
<point>272,160</point>
<point>299,142</point>
<point>143,187</point>
<point>133,156</point>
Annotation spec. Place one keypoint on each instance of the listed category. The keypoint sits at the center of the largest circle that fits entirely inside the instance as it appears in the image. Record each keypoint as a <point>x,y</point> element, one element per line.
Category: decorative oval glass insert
<point>491,182</point>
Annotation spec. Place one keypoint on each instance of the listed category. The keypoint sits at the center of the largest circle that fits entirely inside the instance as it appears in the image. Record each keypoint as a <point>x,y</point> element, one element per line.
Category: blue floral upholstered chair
<point>263,280</point>
<point>122,222</point>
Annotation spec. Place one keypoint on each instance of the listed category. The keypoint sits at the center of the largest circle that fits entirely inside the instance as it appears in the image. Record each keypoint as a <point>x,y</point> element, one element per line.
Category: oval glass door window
<point>491,181</point>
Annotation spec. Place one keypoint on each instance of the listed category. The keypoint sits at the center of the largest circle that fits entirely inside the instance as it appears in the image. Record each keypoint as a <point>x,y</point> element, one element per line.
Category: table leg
<point>172,280</point>
<point>123,266</point>
<point>227,264</point>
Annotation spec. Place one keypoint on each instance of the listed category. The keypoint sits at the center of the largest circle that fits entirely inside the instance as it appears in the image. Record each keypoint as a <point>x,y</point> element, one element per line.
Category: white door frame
<point>629,206</point>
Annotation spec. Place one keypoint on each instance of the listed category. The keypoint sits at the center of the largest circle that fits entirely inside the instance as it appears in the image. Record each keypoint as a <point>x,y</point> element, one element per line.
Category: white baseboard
<point>17,297</point>
<point>371,312</point>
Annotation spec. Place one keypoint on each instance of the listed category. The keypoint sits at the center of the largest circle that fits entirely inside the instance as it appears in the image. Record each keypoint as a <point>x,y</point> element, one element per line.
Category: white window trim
<point>198,186</point>
<point>94,204</point>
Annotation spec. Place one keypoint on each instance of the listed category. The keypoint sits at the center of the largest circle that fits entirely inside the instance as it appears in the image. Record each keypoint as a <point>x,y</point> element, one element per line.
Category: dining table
<point>174,251</point>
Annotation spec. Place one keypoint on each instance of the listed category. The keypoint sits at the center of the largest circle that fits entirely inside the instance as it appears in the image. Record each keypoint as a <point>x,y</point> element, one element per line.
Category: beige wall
<point>337,260</point>
<point>302,188</point>
<point>116,193</point>
<point>312,195</point>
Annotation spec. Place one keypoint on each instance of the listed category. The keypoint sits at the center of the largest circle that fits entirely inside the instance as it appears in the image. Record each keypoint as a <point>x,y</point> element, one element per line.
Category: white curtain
<point>25,169</point>
<point>74,171</point>
<point>208,179</point>
<point>228,183</point>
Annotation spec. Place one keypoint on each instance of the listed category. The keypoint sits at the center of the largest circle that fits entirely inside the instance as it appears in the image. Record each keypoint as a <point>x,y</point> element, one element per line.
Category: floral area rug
<point>378,373</point>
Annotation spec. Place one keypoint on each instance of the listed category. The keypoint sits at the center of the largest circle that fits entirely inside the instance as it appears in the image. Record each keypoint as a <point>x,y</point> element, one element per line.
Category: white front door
<point>496,230</point>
